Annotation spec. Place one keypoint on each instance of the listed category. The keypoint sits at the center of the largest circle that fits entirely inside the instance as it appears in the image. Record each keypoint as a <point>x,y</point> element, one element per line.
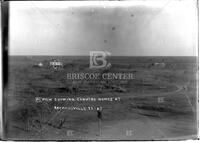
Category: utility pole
<point>99,115</point>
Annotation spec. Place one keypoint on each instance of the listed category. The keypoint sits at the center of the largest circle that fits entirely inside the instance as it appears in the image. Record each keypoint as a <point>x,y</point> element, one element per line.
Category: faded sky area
<point>153,28</point>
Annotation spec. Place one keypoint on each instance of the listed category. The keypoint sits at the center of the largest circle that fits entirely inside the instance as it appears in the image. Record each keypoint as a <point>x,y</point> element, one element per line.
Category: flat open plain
<point>159,103</point>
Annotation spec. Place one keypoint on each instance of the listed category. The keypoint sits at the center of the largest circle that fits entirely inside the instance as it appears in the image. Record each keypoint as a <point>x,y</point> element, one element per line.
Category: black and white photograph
<point>100,70</point>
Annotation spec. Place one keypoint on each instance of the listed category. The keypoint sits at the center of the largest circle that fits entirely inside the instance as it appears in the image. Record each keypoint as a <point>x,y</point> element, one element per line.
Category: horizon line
<point>120,55</point>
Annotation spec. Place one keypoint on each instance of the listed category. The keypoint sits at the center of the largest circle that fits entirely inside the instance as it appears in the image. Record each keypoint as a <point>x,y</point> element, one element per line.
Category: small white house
<point>56,64</point>
<point>40,64</point>
<point>160,65</point>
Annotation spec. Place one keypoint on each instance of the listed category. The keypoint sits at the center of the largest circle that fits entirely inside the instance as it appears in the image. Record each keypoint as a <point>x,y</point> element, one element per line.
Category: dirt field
<point>160,103</point>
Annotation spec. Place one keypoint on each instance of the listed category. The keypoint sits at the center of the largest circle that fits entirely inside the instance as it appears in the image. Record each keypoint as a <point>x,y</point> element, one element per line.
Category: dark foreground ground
<point>160,103</point>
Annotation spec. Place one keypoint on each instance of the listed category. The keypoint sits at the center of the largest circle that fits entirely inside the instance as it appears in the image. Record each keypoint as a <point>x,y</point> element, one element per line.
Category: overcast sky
<point>162,28</point>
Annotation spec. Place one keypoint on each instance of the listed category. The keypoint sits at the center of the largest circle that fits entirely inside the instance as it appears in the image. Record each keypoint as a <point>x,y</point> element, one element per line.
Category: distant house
<point>38,65</point>
<point>56,64</point>
<point>159,65</point>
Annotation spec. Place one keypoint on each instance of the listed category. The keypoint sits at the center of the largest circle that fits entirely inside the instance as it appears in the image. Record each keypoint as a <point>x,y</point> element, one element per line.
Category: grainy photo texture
<point>101,70</point>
